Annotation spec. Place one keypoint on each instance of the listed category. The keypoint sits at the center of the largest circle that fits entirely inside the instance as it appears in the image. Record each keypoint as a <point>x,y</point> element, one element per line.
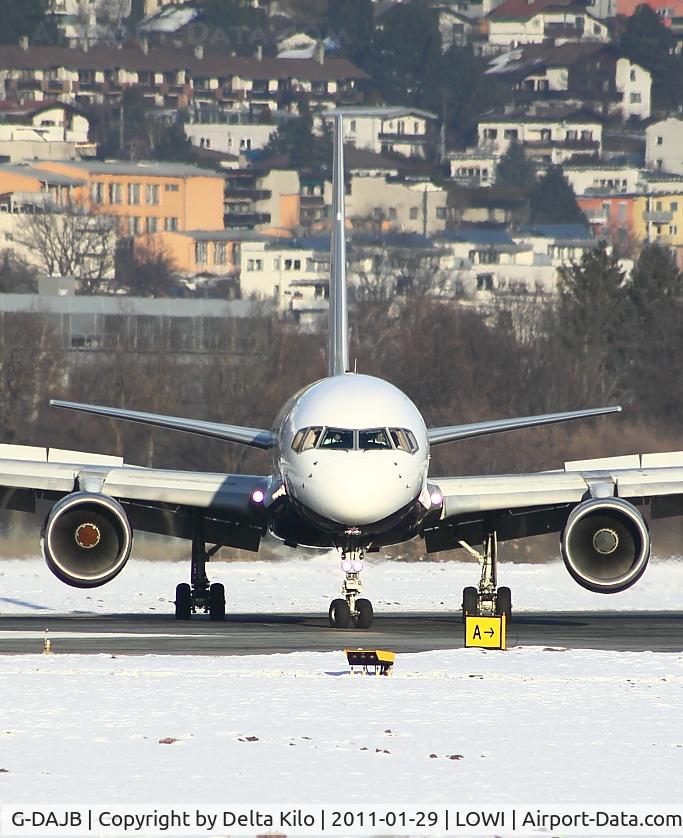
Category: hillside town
<point>187,142</point>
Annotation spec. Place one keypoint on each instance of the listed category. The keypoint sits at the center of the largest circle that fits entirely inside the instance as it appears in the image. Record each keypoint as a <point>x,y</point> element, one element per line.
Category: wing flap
<point>204,490</point>
<point>464,495</point>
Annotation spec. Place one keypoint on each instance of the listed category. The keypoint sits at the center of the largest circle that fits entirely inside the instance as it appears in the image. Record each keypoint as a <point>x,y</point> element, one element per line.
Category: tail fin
<point>338,349</point>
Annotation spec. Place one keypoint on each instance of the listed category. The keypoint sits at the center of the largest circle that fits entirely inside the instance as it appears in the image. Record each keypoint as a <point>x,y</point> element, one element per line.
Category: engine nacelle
<point>86,539</point>
<point>606,545</point>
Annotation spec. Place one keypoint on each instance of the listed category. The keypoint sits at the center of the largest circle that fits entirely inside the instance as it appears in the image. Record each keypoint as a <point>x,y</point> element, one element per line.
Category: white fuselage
<point>353,451</point>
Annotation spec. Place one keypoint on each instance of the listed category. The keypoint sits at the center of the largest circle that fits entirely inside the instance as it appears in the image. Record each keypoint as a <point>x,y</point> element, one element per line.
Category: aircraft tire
<point>365,614</point>
<point>217,601</point>
<point>340,614</point>
<point>504,602</point>
<point>183,601</point>
<point>469,600</point>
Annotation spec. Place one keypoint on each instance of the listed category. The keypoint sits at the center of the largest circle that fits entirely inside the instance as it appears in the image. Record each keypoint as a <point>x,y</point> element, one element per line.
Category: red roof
<point>526,9</point>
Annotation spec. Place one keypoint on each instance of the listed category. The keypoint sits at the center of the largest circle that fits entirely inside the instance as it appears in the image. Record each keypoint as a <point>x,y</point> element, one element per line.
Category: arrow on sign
<point>490,632</point>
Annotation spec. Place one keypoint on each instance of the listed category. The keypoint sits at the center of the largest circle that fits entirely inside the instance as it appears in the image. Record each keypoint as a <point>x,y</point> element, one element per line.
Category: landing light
<point>352,565</point>
<point>436,498</point>
<point>258,496</point>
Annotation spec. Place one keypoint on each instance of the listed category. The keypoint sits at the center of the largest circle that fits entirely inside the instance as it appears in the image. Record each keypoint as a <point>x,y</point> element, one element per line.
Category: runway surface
<point>243,634</point>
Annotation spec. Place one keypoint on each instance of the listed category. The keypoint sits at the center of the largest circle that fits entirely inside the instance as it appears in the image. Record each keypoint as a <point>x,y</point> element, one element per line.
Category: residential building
<point>664,145</point>
<point>232,134</point>
<point>604,178</point>
<point>386,129</point>
<point>293,273</point>
<point>501,205</point>
<point>262,199</point>
<point>592,75</point>
<point>548,134</point>
<point>516,22</point>
<point>457,28</point>
<point>90,21</point>
<point>472,167</point>
<point>47,132</point>
<point>382,204</point>
<point>172,77</point>
<point>150,197</point>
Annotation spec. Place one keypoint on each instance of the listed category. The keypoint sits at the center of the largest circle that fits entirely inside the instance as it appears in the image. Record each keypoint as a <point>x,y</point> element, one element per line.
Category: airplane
<point>350,471</point>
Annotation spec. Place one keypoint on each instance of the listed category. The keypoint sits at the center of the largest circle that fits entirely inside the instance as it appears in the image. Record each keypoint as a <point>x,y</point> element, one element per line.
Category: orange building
<point>150,197</point>
<point>613,216</point>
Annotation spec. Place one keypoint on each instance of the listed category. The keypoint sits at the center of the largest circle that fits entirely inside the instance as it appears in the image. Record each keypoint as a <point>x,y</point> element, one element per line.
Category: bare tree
<point>148,270</point>
<point>71,241</point>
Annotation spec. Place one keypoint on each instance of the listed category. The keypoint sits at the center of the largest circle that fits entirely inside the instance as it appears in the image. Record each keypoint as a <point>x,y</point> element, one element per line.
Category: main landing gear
<point>487,599</point>
<point>351,608</point>
<point>200,595</point>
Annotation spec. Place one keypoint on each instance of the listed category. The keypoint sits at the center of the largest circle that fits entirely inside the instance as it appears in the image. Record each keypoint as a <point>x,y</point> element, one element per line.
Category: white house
<point>664,145</point>
<point>516,22</point>
<point>547,134</point>
<point>409,206</point>
<point>385,129</point>
<point>603,177</point>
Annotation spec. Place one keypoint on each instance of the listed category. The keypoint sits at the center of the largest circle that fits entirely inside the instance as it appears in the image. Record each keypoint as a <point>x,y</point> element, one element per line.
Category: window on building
<point>114,193</point>
<point>511,133</point>
<point>219,253</point>
<point>170,224</point>
<point>200,253</point>
<point>392,213</point>
<point>152,223</point>
<point>634,98</point>
<point>674,206</point>
<point>152,193</point>
<point>377,213</point>
<point>352,126</point>
<point>133,225</point>
<point>441,212</point>
<point>490,133</point>
<point>413,213</point>
<point>171,187</point>
<point>632,75</point>
<point>586,136</point>
<point>673,229</point>
<point>297,264</point>
<point>97,193</point>
<point>133,193</point>
<point>546,134</point>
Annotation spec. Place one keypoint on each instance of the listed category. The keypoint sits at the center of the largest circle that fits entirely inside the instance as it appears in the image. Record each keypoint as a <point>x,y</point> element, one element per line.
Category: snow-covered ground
<point>532,724</point>
<point>529,724</point>
<point>308,585</point>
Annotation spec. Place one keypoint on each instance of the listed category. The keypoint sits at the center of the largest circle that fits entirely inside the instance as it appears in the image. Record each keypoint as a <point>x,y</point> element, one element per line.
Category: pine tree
<point>592,317</point>
<point>655,297</point>
<point>552,200</point>
<point>515,169</point>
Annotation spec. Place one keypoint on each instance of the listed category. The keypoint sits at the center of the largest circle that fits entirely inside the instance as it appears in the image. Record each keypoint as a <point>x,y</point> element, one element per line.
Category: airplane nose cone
<point>360,492</point>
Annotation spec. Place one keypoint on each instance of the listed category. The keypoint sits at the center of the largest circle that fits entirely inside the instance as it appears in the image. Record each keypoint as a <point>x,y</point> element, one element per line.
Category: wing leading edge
<point>254,437</point>
<point>451,433</point>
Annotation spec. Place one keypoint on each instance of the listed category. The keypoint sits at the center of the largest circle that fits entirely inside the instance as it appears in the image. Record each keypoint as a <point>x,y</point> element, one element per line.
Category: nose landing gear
<point>487,599</point>
<point>351,608</point>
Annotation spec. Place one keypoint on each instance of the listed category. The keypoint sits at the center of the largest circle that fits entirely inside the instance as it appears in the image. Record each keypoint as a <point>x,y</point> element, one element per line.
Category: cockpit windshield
<point>337,438</point>
<point>346,439</point>
<point>374,440</point>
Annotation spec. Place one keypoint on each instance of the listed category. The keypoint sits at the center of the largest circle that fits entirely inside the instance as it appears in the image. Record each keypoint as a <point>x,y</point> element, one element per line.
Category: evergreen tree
<point>174,145</point>
<point>27,18</point>
<point>648,42</point>
<point>295,139</point>
<point>591,322</point>
<point>655,296</point>
<point>515,169</point>
<point>552,200</point>
<point>350,24</point>
<point>406,56</point>
<point>463,92</point>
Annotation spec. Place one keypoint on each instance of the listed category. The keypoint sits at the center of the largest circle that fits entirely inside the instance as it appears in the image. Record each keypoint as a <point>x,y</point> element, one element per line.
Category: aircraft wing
<point>156,500</point>
<point>530,504</point>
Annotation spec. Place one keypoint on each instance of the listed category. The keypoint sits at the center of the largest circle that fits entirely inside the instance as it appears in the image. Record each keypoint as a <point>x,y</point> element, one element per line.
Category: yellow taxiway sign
<point>485,632</point>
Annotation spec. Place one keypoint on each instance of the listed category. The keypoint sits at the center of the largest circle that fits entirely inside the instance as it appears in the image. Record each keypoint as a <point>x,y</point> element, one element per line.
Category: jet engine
<point>605,545</point>
<point>86,539</point>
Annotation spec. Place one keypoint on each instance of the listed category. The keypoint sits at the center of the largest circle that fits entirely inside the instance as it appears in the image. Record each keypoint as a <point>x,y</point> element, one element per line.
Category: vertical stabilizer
<point>338,350</point>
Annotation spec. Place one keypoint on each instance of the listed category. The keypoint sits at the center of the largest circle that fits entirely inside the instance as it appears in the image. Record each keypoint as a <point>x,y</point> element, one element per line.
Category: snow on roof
<point>169,19</point>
